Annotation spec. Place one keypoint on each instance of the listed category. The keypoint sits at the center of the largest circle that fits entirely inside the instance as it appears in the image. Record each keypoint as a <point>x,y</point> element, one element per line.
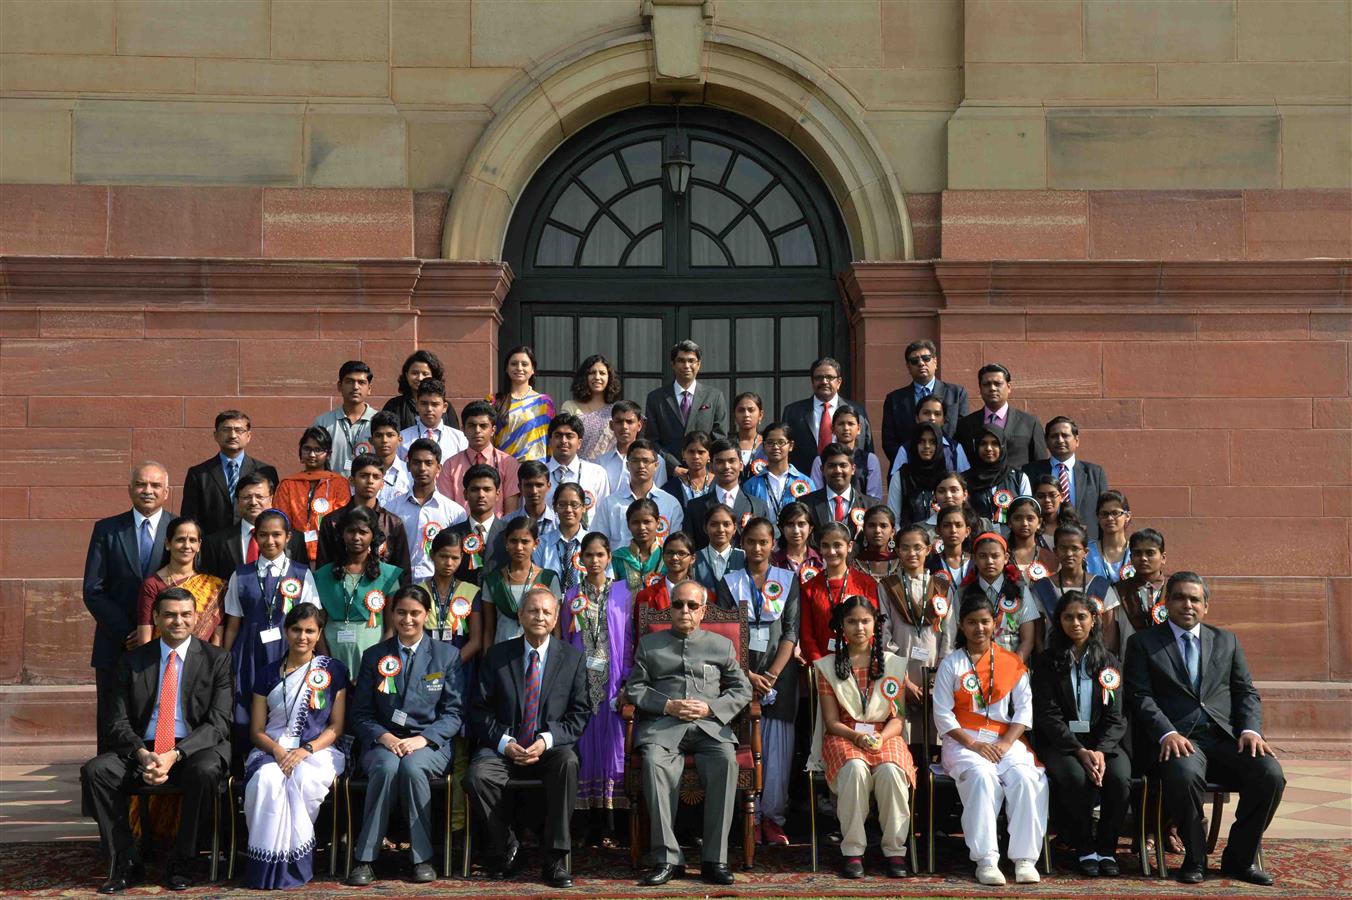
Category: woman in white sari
<point>298,712</point>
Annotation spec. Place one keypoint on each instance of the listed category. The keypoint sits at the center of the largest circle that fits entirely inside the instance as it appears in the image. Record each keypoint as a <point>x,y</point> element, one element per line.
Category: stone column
<point>459,314</point>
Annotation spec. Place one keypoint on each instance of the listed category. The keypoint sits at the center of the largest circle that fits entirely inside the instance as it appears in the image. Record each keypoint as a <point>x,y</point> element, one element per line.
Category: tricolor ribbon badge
<point>388,667</point>
<point>1098,605</point>
<point>460,609</point>
<point>808,572</point>
<point>891,689</point>
<point>938,547</point>
<point>318,681</point>
<point>1159,613</point>
<point>972,685</point>
<point>1008,607</point>
<point>653,579</point>
<point>321,506</point>
<point>473,545</point>
<point>578,607</point>
<point>774,592</point>
<point>1111,680</point>
<point>799,488</point>
<point>1037,571</point>
<point>663,526</point>
<point>430,531</point>
<point>290,589</point>
<point>577,562</point>
<point>857,518</point>
<point>363,448</point>
<point>757,466</point>
<point>374,601</point>
<point>938,609</point>
<point>1002,500</point>
<point>1126,572</point>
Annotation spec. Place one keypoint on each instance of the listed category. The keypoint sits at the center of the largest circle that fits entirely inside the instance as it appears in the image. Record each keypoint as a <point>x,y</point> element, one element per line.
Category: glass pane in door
<point>645,349</point>
<point>764,385</point>
<point>554,343</point>
<point>597,334</point>
<point>799,343</point>
<point>715,338</point>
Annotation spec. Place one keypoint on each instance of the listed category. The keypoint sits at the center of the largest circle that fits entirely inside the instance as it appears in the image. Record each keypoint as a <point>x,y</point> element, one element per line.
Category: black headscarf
<point>919,475</point>
<point>984,476</point>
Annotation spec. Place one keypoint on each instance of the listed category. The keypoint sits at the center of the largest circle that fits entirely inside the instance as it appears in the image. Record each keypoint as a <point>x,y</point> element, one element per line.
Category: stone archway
<point>741,72</point>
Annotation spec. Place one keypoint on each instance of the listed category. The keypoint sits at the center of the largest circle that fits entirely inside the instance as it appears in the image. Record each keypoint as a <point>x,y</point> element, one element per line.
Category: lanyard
<point>349,596</point>
<point>443,609</point>
<point>598,602</point>
<point>914,613</point>
<point>865,689</point>
<point>291,706</point>
<point>983,691</point>
<point>270,602</point>
<point>757,596</point>
<point>954,575</point>
<point>1078,682</point>
<point>833,601</point>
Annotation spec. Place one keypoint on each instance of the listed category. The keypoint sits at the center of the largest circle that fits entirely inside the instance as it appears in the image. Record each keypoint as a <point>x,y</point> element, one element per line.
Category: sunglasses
<point>922,358</point>
<point>686,604</point>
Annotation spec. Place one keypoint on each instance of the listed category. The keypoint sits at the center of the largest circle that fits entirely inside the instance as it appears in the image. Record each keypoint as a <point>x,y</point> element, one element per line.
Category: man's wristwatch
<point>308,747</point>
<point>181,755</point>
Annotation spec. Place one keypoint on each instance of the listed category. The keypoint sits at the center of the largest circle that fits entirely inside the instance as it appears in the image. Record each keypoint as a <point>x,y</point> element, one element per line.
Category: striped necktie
<point>531,717</point>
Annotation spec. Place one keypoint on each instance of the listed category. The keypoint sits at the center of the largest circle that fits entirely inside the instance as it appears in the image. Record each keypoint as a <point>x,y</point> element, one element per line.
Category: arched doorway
<point>608,259</point>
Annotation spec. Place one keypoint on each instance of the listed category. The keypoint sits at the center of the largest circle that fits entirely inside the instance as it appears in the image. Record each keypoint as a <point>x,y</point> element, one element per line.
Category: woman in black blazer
<point>1079,727</point>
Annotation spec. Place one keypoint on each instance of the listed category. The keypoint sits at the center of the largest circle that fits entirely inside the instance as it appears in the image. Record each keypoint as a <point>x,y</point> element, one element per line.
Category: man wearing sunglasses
<point>899,409</point>
<point>688,687</point>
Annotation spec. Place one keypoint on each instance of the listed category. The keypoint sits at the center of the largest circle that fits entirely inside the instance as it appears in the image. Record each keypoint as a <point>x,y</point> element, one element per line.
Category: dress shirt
<point>439,509</point>
<point>1082,685</point>
<point>154,518</point>
<point>450,440</point>
<point>245,532</point>
<point>923,390</point>
<point>676,387</point>
<point>1070,474</point>
<point>308,594</point>
<point>451,481</point>
<point>831,496</point>
<point>728,497</point>
<point>718,560</point>
<point>547,523</point>
<point>397,481</point>
<point>180,726</point>
<point>346,436</point>
<point>486,525</point>
<point>832,405</point>
<point>543,650</point>
<point>588,474</point>
<point>872,474</point>
<point>1196,632</point>
<point>617,470</point>
<point>225,468</point>
<point>999,418</point>
<point>613,520</point>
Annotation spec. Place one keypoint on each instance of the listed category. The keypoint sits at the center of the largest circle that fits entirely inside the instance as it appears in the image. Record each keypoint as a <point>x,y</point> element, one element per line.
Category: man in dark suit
<point>123,551</point>
<point>1189,692</point>
<point>368,479</point>
<point>209,487</point>
<point>479,488</point>
<point>810,420</point>
<point>170,724</point>
<point>685,405</point>
<point>838,501</point>
<point>687,687</point>
<point>1024,437</point>
<point>1081,482</point>
<point>726,461</point>
<point>407,707</point>
<point>226,550</point>
<point>899,419</point>
<point>526,717</point>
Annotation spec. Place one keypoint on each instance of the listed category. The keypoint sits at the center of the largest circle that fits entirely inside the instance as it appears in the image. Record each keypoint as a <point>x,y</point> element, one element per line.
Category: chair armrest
<point>628,711</point>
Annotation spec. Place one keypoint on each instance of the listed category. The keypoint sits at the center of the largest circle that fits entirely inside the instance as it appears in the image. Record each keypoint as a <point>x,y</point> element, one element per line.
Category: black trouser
<point>487,776</point>
<point>108,778</point>
<point>1216,758</point>
<point>1074,797</point>
<point>105,687</point>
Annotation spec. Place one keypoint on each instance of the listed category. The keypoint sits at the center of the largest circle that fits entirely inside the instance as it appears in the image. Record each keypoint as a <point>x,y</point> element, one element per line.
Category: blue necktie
<point>921,393</point>
<point>406,671</point>
<point>231,476</point>
<point>145,545</point>
<point>1190,660</point>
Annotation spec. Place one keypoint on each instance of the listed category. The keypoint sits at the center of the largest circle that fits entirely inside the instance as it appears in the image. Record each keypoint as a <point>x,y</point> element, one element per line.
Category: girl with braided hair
<point>857,740</point>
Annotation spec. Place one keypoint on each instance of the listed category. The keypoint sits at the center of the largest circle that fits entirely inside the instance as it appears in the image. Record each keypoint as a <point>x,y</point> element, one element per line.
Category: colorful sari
<point>602,631</point>
<point>280,810</point>
<point>522,430</point>
<point>206,591</point>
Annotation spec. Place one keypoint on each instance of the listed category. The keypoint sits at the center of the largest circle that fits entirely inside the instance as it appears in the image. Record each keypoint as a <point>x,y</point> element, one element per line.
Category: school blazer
<point>206,497</point>
<point>798,416</point>
<point>899,413</point>
<point>662,415</point>
<point>432,694</point>
<point>1024,437</point>
<point>112,582</point>
<point>206,699</point>
<point>1090,481</point>
<point>494,555</point>
<point>497,706</point>
<point>1054,709</point>
<point>1160,698</point>
<point>745,505</point>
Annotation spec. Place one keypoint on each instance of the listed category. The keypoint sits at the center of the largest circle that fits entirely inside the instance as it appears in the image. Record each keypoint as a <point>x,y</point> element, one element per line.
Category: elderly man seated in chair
<point>687,686</point>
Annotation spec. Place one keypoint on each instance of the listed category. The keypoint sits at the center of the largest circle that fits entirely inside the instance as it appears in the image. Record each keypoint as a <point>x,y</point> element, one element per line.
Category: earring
<point>891,544</point>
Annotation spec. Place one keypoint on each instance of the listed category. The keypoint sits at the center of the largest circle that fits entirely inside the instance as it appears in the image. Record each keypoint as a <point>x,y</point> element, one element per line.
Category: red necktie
<point>824,429</point>
<point>164,727</point>
<point>1064,477</point>
<point>840,509</point>
<point>530,719</point>
<point>252,554</point>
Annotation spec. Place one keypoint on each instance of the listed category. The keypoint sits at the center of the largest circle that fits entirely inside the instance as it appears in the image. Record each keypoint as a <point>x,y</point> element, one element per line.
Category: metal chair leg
<point>347,804</point>
<point>215,832</point>
<point>333,828</point>
<point>910,838</point>
<point>1160,862</point>
<point>929,828</point>
<point>450,802</point>
<point>1141,806</point>
<point>469,824</point>
<point>234,834</point>
<point>812,816</point>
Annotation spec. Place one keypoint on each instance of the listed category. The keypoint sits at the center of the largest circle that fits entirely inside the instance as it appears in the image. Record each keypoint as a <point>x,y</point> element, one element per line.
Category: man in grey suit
<point>407,707</point>
<point>685,405</point>
<point>1080,482</point>
<point>688,686</point>
<point>1190,694</point>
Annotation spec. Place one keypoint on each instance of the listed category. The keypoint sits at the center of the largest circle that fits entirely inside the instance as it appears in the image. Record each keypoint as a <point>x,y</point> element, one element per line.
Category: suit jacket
<point>431,693</point>
<point>494,556</point>
<point>205,497</point>
<point>497,706</point>
<point>798,416</point>
<point>744,506</point>
<point>821,509</point>
<point>206,697</point>
<point>112,582</point>
<point>1161,699</point>
<point>667,666</point>
<point>1054,708</point>
<point>1024,438</point>
<point>394,551</point>
<point>1090,481</point>
<point>222,553</point>
<point>662,415</point>
<point>899,413</point>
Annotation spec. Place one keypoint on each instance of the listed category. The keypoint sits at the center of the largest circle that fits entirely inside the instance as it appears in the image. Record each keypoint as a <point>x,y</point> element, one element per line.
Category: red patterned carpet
<point>1304,868</point>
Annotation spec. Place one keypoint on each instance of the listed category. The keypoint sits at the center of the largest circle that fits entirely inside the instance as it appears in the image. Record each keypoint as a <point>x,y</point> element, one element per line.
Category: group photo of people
<point>663,625</point>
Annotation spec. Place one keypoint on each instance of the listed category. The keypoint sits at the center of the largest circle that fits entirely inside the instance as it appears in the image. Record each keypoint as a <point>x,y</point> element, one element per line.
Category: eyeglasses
<point>777,443</point>
<point>233,429</point>
<point>568,504</point>
<point>686,604</point>
<point>676,554</point>
<point>1113,514</point>
<point>920,358</point>
<point>825,378</point>
<point>312,451</point>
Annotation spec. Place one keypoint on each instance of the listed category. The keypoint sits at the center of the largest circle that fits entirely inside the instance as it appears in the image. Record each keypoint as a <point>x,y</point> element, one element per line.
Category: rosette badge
<point>857,518</point>
<point>473,544</point>
<point>1009,605</point>
<point>653,579</point>
<point>430,531</point>
<point>1110,680</point>
<point>321,505</point>
<point>1126,572</point>
<point>938,609</point>
<point>757,466</point>
<point>290,589</point>
<point>663,526</point>
<point>578,607</point>
<point>1159,613</point>
<point>1037,571</point>
<point>972,685</point>
<point>773,590</point>
<point>808,572</point>
<point>374,601</point>
<point>318,681</point>
<point>891,689</point>
<point>1001,500</point>
<point>799,488</point>
<point>388,668</point>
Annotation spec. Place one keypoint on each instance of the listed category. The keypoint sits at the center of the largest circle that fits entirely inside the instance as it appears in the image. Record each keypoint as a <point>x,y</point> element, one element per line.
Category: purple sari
<point>600,750</point>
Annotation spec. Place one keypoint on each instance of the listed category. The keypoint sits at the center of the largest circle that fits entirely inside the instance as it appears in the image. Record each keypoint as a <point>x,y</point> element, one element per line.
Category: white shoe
<point>1026,872</point>
<point>989,873</point>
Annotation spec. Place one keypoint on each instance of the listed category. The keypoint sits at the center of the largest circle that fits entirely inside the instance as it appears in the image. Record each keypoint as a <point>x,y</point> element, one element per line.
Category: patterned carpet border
<point>1304,869</point>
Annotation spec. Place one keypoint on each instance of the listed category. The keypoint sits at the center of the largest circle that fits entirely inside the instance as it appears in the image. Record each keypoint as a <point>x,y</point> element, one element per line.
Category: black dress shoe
<point>423,873</point>
<point>556,875</point>
<point>853,867</point>
<point>176,880</point>
<point>1253,875</point>
<point>1089,868</point>
<point>897,868</point>
<point>512,858</point>
<point>716,873</point>
<point>361,875</point>
<point>1108,868</point>
<point>1192,875</point>
<point>125,876</point>
<point>661,874</point>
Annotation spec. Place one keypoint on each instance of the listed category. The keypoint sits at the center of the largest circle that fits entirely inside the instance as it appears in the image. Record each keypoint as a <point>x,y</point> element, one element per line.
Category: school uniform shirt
<point>559,554</point>
<point>278,567</point>
<point>546,524</point>
<point>439,510</point>
<point>777,491</point>
<point>1007,624</point>
<point>397,481</point>
<point>592,477</point>
<point>613,521</point>
<point>450,440</point>
<point>349,440</point>
<point>451,480</point>
<point>617,469</point>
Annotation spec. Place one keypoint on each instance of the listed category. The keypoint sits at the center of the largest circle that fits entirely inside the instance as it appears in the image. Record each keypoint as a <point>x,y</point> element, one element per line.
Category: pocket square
<point>704,407</point>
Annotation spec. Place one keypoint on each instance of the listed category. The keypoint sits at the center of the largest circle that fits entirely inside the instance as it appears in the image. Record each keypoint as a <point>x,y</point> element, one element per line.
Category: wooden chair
<point>357,784</point>
<point>931,775</point>
<point>731,624</point>
<point>1152,809</point>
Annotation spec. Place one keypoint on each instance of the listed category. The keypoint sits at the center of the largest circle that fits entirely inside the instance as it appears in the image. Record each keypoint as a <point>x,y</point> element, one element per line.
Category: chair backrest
<point>730,623</point>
